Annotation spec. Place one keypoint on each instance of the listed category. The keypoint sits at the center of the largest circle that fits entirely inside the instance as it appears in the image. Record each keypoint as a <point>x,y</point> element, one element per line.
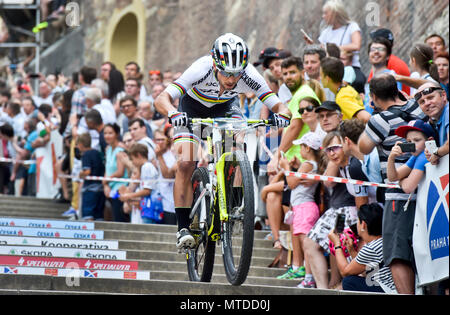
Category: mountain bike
<point>223,205</point>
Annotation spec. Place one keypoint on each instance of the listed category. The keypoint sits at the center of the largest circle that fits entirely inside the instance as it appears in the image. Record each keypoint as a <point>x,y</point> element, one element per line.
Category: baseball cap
<point>328,105</point>
<point>310,139</point>
<point>417,125</point>
<point>383,32</point>
<point>266,53</point>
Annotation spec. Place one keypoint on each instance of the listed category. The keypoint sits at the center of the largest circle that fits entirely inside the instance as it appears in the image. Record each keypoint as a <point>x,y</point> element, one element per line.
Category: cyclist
<point>210,88</point>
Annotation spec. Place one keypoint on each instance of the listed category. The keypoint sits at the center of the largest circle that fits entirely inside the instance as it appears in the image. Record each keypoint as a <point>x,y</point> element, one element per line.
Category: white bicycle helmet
<point>230,53</point>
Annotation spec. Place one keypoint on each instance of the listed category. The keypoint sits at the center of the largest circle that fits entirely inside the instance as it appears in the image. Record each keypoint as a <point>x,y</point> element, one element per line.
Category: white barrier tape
<point>8,160</point>
<point>115,179</point>
<point>338,180</point>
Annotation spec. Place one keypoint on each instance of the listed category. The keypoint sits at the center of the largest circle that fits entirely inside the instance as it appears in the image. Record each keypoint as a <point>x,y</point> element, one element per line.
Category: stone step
<point>160,287</point>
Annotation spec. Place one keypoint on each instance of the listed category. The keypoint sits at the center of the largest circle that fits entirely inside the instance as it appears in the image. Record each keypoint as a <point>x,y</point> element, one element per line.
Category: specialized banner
<point>61,262</point>
<point>81,273</point>
<point>47,182</point>
<point>431,225</point>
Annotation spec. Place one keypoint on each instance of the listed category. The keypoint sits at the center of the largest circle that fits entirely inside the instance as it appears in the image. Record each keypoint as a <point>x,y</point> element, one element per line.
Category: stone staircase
<point>42,254</point>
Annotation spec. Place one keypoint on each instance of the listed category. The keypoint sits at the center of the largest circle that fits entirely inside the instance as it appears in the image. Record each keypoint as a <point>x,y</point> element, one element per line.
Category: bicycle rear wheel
<point>200,260</point>
<point>241,213</point>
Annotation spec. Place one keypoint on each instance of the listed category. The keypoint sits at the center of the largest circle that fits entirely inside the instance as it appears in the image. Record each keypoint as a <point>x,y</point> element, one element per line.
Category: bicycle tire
<point>200,260</point>
<point>239,195</point>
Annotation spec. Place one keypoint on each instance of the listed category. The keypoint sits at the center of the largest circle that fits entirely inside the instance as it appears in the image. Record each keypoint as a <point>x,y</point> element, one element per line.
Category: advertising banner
<point>81,273</point>
<point>61,252</point>
<point>59,243</point>
<point>57,262</point>
<point>431,225</point>
<point>44,232</point>
<point>38,223</point>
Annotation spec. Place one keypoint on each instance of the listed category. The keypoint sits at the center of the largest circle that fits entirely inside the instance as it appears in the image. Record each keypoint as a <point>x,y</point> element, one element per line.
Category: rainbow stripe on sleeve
<point>265,96</point>
<point>180,88</point>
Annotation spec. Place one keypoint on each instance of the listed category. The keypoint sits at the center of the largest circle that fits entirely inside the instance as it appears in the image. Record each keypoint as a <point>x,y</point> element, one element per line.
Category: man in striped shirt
<point>391,113</point>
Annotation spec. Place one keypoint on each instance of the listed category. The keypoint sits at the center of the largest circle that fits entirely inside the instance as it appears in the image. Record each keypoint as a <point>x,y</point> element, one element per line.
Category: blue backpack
<point>152,207</point>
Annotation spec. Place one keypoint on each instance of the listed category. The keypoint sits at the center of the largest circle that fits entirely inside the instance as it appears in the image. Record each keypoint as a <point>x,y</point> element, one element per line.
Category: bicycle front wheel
<point>239,228</point>
<point>200,260</point>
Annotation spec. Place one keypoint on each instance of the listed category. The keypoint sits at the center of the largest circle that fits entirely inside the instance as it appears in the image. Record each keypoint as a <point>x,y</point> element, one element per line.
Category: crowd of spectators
<point>344,123</point>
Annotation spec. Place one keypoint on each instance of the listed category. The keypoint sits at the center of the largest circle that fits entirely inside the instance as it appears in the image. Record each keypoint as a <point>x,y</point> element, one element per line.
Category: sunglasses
<point>425,92</point>
<point>379,49</point>
<point>309,108</point>
<point>229,74</point>
<point>152,72</point>
<point>334,148</point>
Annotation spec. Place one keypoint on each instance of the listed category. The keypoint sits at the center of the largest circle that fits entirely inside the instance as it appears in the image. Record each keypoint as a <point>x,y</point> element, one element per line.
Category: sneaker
<point>293,274</point>
<point>185,239</point>
<point>307,284</point>
<point>70,213</point>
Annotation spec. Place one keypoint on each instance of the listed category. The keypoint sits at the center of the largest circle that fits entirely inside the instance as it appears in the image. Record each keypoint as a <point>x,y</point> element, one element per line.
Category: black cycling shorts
<point>195,109</point>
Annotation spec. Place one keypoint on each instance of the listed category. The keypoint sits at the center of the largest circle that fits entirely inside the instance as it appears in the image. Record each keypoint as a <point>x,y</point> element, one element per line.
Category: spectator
<point>394,62</point>
<point>45,95</point>
<point>167,168</point>
<point>349,72</point>
<point>116,86</point>
<point>348,99</point>
<point>114,168</point>
<point>437,43</point>
<point>133,88</point>
<point>105,106</point>
<point>432,101</point>
<point>129,108</point>
<point>305,210</point>
<point>94,123</point>
<point>6,151</point>
<point>157,117</point>
<point>379,53</point>
<point>93,198</point>
<point>340,202</point>
<point>154,77</point>
<point>380,133</point>
<point>442,63</point>
<point>330,116</point>
<point>105,70</point>
<point>132,70</point>
<point>344,33</point>
<point>148,176</point>
<point>312,57</point>
<point>139,135</point>
<point>421,62</point>
<point>17,119</point>
<point>293,72</point>
<point>369,259</point>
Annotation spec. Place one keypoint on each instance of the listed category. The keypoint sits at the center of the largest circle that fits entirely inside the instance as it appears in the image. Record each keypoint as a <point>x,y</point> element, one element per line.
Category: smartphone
<point>407,147</point>
<point>306,35</point>
<point>340,223</point>
<point>431,146</point>
<point>34,76</point>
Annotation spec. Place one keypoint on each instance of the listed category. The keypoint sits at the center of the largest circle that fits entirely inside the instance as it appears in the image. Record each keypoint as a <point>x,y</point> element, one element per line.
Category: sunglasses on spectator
<point>152,72</point>
<point>425,92</point>
<point>309,108</point>
<point>159,140</point>
<point>229,74</point>
<point>334,148</point>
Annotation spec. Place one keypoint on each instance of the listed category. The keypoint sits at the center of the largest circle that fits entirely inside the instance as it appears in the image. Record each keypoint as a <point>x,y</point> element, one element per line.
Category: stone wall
<point>180,31</point>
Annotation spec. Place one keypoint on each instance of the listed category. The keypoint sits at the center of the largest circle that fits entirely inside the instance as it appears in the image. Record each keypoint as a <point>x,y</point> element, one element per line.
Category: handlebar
<point>250,122</point>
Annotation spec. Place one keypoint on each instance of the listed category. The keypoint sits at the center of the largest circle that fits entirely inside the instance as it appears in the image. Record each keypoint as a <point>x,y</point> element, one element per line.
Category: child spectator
<point>369,259</point>
<point>92,197</point>
<point>397,241</point>
<point>306,211</point>
<point>148,175</point>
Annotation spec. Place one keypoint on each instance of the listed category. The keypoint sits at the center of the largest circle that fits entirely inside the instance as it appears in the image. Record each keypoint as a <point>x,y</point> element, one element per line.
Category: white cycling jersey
<point>199,82</point>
